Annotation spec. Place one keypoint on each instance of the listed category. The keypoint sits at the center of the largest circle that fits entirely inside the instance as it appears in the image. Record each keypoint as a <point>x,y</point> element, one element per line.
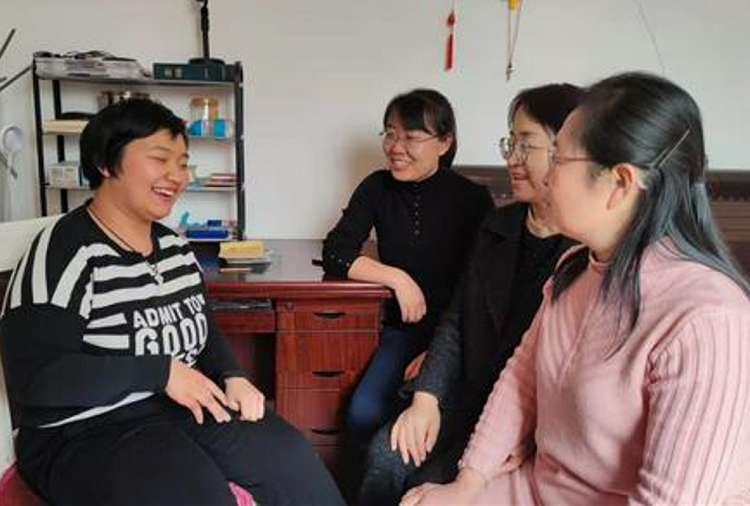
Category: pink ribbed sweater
<point>665,420</point>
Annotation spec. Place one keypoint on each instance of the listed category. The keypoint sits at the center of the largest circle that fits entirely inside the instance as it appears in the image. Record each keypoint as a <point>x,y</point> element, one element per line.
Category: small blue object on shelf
<point>212,230</point>
<point>207,233</point>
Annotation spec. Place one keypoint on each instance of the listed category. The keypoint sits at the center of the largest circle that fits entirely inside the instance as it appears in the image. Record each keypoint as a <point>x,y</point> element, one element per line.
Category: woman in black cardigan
<point>493,305</point>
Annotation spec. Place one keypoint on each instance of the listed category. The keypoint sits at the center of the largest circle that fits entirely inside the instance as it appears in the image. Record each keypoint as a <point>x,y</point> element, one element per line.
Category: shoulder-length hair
<point>654,124</point>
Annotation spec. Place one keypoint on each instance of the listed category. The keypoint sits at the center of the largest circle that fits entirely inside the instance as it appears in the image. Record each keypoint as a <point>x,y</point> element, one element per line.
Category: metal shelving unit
<point>238,139</point>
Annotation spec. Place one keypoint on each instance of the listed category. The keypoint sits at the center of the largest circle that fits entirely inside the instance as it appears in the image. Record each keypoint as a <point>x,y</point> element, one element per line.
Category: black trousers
<point>387,478</point>
<point>169,459</point>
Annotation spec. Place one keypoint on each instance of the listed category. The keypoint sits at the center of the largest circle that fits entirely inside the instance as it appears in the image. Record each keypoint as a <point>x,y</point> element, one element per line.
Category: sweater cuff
<point>154,372</point>
<point>233,373</point>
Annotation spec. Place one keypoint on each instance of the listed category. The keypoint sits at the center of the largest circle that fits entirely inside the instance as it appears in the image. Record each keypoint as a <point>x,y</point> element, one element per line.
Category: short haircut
<point>103,141</point>
<point>427,110</point>
<point>547,105</point>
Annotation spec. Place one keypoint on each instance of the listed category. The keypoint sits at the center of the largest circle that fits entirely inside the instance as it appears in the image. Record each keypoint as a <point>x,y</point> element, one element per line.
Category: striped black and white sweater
<point>88,327</point>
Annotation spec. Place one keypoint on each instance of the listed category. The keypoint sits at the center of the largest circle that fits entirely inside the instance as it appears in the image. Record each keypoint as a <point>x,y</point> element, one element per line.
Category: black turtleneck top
<point>425,228</point>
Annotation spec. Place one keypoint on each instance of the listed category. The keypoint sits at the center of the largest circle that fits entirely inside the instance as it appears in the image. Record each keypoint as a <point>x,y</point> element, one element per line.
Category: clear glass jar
<point>203,112</point>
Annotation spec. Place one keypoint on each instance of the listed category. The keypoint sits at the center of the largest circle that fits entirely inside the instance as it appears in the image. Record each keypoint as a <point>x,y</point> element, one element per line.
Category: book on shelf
<point>67,126</point>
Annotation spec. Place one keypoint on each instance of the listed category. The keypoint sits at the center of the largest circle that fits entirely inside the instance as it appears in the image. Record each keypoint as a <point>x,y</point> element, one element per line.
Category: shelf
<point>220,189</point>
<point>210,189</point>
<point>211,138</point>
<point>146,81</point>
<point>57,131</point>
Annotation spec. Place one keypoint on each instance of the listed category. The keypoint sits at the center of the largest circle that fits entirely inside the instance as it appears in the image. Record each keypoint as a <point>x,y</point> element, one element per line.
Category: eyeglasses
<point>412,141</point>
<point>556,158</point>
<point>509,145</point>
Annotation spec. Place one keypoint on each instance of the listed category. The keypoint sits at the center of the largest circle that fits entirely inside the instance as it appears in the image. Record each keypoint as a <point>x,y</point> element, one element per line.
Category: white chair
<point>15,236</point>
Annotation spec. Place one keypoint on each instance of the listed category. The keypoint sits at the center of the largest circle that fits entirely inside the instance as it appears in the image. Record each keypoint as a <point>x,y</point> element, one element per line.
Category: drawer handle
<point>327,374</point>
<point>325,431</point>
<point>329,315</point>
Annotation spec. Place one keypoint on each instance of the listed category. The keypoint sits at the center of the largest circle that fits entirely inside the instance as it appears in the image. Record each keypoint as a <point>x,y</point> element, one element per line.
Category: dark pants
<point>168,460</point>
<point>375,399</point>
<point>387,478</point>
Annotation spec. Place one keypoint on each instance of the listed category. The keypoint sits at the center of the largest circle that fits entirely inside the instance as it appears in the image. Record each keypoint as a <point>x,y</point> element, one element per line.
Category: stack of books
<point>239,256</point>
<point>219,180</point>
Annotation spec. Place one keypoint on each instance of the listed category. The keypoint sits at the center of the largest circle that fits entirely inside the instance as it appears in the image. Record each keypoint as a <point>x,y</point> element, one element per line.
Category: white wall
<point>320,72</point>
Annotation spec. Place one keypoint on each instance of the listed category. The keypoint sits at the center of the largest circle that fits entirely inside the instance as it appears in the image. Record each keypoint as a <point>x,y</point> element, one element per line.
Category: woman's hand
<point>410,298</point>
<point>416,429</point>
<point>243,397</point>
<point>414,366</point>
<point>190,388</point>
<point>464,490</point>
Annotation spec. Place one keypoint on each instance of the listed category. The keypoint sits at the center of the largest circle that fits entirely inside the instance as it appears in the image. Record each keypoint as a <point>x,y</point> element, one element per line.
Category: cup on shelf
<point>204,111</point>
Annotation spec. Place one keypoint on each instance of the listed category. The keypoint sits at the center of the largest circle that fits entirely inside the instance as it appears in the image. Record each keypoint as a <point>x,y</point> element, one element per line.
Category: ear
<point>445,144</point>
<point>104,171</point>
<point>626,184</point>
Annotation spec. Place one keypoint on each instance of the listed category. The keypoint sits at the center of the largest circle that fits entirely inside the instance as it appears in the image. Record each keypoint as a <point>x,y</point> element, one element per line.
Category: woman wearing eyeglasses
<point>631,385</point>
<point>495,301</point>
<point>425,217</point>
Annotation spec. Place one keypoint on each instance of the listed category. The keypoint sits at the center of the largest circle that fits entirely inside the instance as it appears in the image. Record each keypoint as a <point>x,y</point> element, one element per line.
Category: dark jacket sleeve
<point>442,364</point>
<point>343,243</point>
<point>45,368</point>
<point>486,205</point>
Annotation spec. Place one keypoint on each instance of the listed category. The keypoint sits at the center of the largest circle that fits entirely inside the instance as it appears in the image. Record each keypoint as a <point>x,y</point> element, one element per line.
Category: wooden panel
<point>4,280</point>
<point>233,323</point>
<point>255,354</point>
<point>328,315</point>
<point>332,458</point>
<point>322,360</point>
<point>317,413</point>
<point>729,191</point>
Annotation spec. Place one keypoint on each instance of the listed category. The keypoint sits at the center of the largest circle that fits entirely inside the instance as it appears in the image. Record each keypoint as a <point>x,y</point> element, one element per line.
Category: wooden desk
<point>310,342</point>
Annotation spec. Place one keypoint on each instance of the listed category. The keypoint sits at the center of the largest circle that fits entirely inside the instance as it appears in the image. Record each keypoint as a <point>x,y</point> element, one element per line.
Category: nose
<point>177,173</point>
<point>398,145</point>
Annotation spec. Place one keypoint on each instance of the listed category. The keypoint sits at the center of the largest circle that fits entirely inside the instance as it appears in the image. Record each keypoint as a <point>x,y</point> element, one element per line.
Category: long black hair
<point>427,110</point>
<point>654,124</point>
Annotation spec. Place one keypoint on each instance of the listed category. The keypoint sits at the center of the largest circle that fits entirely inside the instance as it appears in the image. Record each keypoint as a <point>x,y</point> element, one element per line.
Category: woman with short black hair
<point>127,392</point>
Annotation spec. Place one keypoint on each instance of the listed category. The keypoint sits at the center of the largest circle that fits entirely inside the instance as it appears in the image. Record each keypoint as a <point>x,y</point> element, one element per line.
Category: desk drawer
<point>328,315</point>
<point>236,323</point>
<point>322,359</point>
<point>317,413</point>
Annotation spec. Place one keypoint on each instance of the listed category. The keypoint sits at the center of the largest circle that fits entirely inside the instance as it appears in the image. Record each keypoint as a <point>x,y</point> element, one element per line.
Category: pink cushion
<point>241,495</point>
<point>14,492</point>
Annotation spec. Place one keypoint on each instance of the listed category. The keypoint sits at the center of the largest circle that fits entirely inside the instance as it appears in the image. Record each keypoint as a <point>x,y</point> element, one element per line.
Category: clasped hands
<point>190,388</point>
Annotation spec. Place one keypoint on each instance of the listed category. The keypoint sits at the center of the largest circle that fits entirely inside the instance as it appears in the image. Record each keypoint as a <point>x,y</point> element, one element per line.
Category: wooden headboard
<point>729,191</point>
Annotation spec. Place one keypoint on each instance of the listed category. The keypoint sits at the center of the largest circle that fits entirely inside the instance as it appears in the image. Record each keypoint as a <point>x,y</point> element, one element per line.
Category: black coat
<point>475,336</point>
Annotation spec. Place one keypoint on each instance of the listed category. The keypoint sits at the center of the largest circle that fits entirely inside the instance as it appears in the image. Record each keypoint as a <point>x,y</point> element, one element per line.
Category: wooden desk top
<point>292,275</point>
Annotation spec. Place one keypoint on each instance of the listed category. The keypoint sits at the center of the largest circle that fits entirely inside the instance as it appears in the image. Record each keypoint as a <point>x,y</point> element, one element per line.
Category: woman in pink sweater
<point>632,385</point>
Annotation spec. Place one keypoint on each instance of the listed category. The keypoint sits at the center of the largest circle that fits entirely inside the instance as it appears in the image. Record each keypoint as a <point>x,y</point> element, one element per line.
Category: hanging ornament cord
<point>514,7</point>
<point>451,22</point>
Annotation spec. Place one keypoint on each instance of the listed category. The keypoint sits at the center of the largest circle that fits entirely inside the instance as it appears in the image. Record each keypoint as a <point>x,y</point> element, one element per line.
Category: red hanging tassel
<point>451,21</point>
